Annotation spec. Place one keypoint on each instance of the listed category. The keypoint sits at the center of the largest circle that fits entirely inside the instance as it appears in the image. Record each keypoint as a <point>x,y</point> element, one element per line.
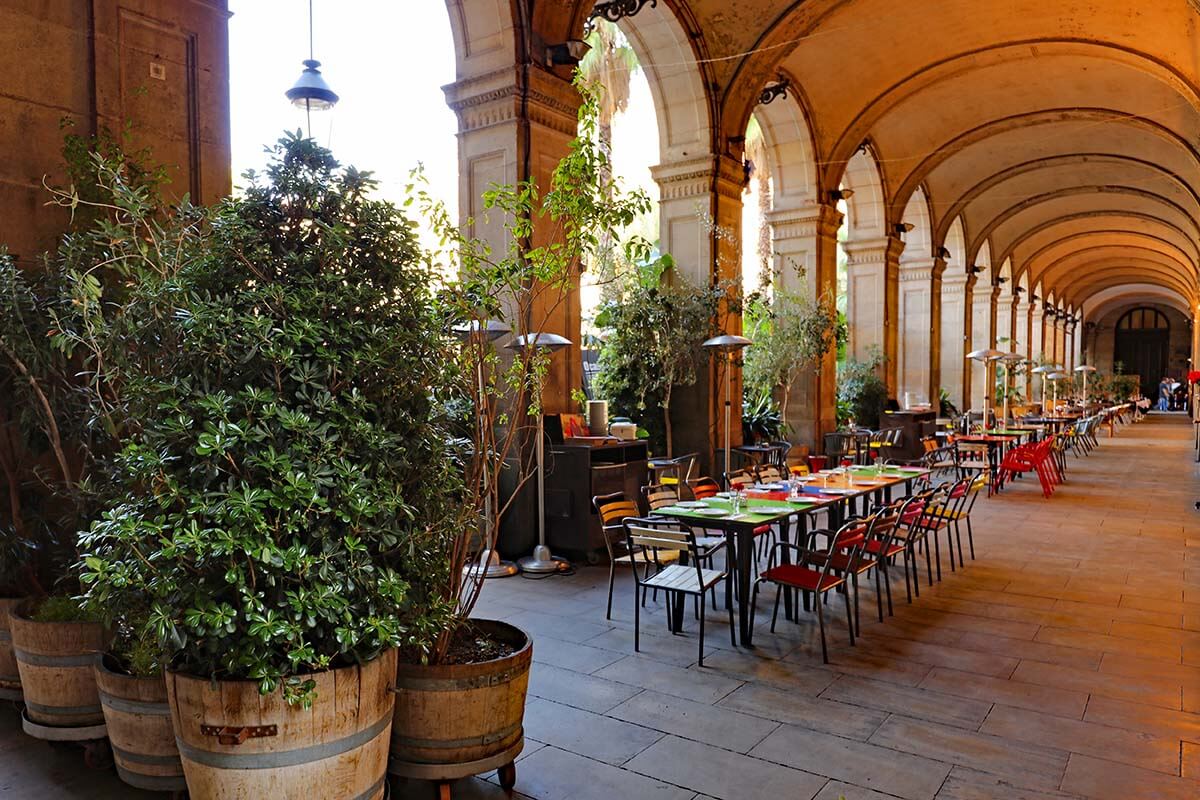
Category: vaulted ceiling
<point>1065,134</point>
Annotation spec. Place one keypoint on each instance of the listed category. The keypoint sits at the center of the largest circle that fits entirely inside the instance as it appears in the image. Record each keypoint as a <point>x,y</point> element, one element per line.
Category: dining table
<point>996,444</point>
<point>832,492</point>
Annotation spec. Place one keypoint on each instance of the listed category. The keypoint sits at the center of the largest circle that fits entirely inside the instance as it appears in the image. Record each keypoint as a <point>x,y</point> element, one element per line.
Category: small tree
<point>791,334</point>
<point>657,321</point>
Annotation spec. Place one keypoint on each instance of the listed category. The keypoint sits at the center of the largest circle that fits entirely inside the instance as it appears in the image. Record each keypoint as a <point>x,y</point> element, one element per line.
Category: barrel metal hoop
<point>153,783</point>
<point>369,793</point>
<point>39,660</point>
<point>134,706</point>
<point>143,758</point>
<point>5,636</point>
<point>440,744</point>
<point>11,693</point>
<point>284,758</point>
<point>10,680</point>
<point>458,684</point>
<point>63,711</point>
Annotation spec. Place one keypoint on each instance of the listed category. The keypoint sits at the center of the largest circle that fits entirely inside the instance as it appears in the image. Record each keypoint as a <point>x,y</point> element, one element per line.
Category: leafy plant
<point>761,417</point>
<point>291,491</point>
<point>791,334</point>
<point>861,393</point>
<point>62,609</point>
<point>656,320</point>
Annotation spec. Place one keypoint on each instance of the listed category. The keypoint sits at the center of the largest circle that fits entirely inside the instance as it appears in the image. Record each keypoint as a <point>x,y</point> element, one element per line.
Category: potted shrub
<point>460,702</point>
<point>52,639</point>
<point>291,496</point>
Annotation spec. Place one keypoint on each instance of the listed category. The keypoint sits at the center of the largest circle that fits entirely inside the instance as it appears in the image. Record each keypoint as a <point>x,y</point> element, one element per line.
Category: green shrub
<point>291,491</point>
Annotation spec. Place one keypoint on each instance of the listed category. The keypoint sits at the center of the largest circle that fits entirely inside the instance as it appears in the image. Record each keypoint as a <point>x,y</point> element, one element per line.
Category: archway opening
<point>1141,346</point>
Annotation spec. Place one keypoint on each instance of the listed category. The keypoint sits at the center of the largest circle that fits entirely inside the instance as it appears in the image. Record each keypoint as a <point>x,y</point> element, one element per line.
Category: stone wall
<point>159,68</point>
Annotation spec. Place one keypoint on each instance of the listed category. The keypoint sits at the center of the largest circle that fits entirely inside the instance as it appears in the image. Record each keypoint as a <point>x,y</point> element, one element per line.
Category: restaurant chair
<point>613,510</point>
<point>813,578</point>
<point>950,512</point>
<point>676,580</point>
<point>739,479</point>
<point>912,533</point>
<point>878,531</point>
<point>703,487</point>
<point>769,473</point>
<point>708,544</point>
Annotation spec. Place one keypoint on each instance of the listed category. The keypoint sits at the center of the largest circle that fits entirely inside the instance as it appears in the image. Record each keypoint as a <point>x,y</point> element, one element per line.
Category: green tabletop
<point>774,510</point>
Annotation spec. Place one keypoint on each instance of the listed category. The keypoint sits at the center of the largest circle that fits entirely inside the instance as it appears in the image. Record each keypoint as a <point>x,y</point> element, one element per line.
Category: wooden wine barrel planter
<point>455,720</point>
<point>10,680</point>
<point>138,719</point>
<point>54,660</point>
<point>236,743</point>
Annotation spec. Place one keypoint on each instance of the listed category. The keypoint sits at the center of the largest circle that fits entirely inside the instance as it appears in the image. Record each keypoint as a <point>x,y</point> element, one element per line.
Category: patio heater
<point>729,345</point>
<point>478,332</point>
<point>1044,370</point>
<point>1009,360</point>
<point>1085,369</point>
<point>1056,377</point>
<point>541,561</point>
<point>987,358</point>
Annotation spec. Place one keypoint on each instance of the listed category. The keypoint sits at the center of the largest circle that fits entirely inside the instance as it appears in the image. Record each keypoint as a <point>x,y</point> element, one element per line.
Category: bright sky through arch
<point>387,59</point>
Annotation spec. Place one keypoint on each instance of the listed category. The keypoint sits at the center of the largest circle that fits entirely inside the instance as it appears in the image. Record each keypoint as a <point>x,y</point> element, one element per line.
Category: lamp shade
<point>1058,376</point>
<point>310,90</point>
<point>549,342</point>
<point>1085,368</point>
<point>728,341</point>
<point>1044,368</point>
<point>1012,358</point>
<point>490,329</point>
<point>986,355</point>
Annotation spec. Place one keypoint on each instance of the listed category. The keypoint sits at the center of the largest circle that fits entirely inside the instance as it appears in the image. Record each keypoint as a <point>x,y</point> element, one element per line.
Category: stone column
<point>1069,346</point>
<point>983,336</point>
<point>700,213</point>
<point>1006,320</point>
<point>1060,327</point>
<point>1021,328</point>
<point>1037,345</point>
<point>503,140</point>
<point>916,330</point>
<point>873,277</point>
<point>804,241</point>
<point>935,331</point>
<point>955,312</point>
<point>1195,365</point>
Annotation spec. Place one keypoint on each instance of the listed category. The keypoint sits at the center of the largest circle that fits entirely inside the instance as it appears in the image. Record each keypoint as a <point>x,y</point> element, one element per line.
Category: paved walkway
<point>1063,662</point>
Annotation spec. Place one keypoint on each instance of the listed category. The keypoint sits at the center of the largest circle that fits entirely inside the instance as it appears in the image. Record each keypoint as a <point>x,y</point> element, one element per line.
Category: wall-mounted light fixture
<point>840,194</point>
<point>773,91</point>
<point>902,228</point>
<point>615,10</point>
<point>1019,290</point>
<point>1001,281</point>
<point>943,252</point>
<point>569,53</point>
<point>975,269</point>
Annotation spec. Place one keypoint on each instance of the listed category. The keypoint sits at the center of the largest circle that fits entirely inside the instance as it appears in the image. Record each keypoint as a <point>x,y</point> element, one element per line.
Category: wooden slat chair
<point>614,509</point>
<point>912,533</point>
<point>739,479</point>
<point>769,473</point>
<point>949,511</point>
<point>708,544</point>
<point>960,513</point>
<point>676,580</point>
<point>814,579</point>
<point>704,488</point>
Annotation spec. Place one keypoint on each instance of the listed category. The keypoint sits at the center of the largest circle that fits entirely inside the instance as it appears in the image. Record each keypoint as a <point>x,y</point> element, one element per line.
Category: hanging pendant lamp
<point>310,91</point>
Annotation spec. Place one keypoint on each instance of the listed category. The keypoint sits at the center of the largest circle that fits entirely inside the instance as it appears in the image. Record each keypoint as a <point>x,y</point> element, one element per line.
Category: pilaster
<point>873,272</point>
<point>954,334</point>
<point>916,330</point>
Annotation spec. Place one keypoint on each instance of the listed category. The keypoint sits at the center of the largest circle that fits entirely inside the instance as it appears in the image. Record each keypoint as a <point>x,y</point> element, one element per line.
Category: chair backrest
<point>659,496</point>
<point>649,541</point>
<point>836,446</point>
<point>769,473</point>
<point>739,478</point>
<point>703,488</point>
<point>613,510</point>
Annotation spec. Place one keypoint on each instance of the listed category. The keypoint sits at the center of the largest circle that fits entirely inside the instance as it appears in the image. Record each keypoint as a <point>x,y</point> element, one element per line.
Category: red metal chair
<point>810,579</point>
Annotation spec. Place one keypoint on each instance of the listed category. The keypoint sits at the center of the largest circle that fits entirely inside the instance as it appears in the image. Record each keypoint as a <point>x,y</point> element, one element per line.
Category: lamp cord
<point>311,51</point>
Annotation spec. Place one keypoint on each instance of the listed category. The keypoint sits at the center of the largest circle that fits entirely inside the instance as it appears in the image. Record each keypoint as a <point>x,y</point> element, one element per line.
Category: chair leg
<point>733,626</point>
<point>958,539</point>
<point>611,579</point>
<point>878,592</point>
<point>848,620</point>
<point>909,556</point>
<point>971,538</point>
<point>821,624</point>
<point>857,617</point>
<point>937,553</point>
<point>887,584</point>
<point>701,605</point>
<point>637,621</point>
<point>775,614</point>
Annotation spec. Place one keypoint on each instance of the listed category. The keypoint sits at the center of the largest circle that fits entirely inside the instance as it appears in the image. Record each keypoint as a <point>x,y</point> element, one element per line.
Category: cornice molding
<point>494,98</point>
<point>805,222</point>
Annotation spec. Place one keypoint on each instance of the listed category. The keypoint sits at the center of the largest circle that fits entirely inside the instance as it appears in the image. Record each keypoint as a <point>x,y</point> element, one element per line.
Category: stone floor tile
<point>1108,644</point>
<point>1026,650</point>
<point>1108,780</point>
<point>1030,768</point>
<point>690,684</point>
<point>1139,689</point>
<point>1038,697</point>
<point>970,784</point>
<point>584,733</point>
<point>1140,717</point>
<point>816,714</point>
<point>576,689</point>
<point>877,666</point>
<point>836,790</point>
<point>465,789</point>
<point>865,765</point>
<point>797,677</point>
<point>1089,738</point>
<point>721,773</point>
<point>940,656</point>
<point>721,726</point>
<point>554,774</point>
<point>572,655</point>
<point>910,702</point>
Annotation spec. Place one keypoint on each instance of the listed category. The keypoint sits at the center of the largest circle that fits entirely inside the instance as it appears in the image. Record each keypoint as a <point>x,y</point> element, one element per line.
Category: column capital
<point>919,269</point>
<point>804,222</point>
<point>494,98</point>
<point>694,177</point>
<point>873,251</point>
